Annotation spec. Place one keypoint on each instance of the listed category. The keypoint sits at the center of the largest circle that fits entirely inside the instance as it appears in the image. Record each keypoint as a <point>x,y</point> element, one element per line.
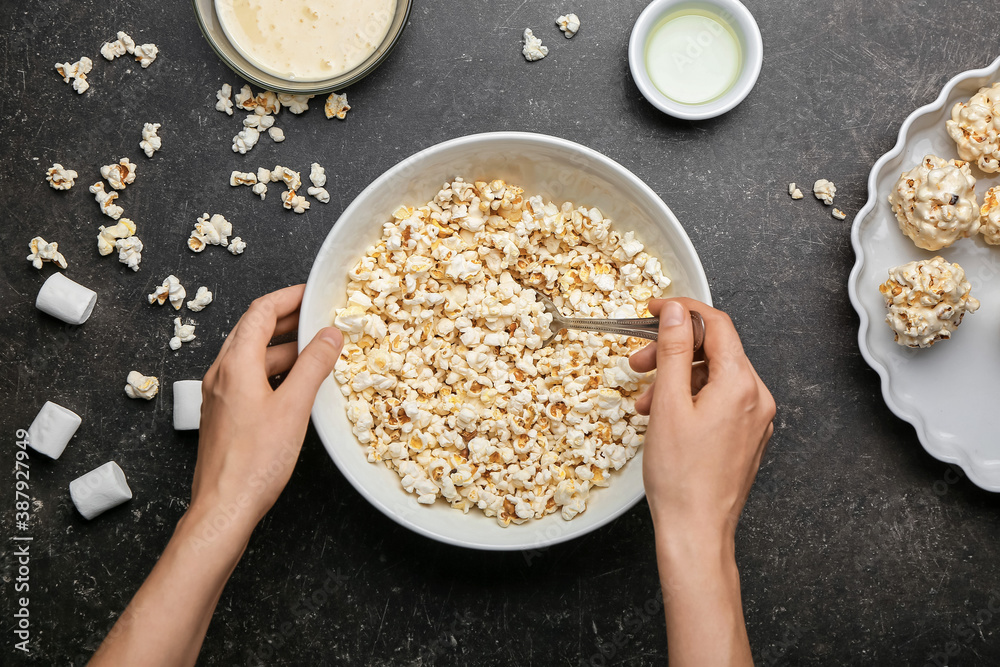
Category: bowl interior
<point>559,171</point>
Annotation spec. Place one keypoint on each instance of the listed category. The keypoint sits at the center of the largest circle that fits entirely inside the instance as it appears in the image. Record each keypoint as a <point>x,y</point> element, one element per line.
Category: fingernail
<point>672,314</point>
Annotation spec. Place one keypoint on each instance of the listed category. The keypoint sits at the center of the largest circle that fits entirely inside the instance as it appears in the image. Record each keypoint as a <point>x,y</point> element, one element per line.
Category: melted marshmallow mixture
<point>935,203</point>
<point>975,127</point>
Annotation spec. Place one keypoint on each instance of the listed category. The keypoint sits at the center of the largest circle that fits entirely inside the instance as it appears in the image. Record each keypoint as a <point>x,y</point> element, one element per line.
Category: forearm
<point>701,594</point>
<point>166,621</point>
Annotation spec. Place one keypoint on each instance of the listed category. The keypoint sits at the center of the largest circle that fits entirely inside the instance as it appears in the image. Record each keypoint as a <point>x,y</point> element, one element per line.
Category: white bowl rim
<point>697,276</point>
<point>753,60</point>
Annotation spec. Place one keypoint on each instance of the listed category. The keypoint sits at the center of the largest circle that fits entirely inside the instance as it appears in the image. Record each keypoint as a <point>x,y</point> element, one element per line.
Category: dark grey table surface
<point>856,546</point>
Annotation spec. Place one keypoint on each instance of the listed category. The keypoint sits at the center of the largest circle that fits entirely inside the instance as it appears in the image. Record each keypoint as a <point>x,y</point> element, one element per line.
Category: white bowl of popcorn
<point>419,441</point>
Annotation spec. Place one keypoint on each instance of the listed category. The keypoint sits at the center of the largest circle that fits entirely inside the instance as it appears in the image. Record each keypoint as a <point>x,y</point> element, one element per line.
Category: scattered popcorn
<point>245,99</point>
<point>245,140</point>
<point>569,24</point>
<point>145,54</point>
<point>443,366</point>
<point>295,103</point>
<point>106,200</point>
<point>825,191</point>
<point>129,252</point>
<point>171,290</point>
<point>319,193</point>
<point>124,44</point>
<point>264,175</point>
<point>839,215</point>
<point>119,175</point>
<point>202,298</point>
<point>935,203</point>
<point>60,178</point>
<point>264,104</point>
<point>210,231</point>
<point>260,189</point>
<point>295,202</point>
<point>150,140</point>
<point>990,216</point>
<point>265,122</point>
<point>224,97</point>
<point>975,128</point>
<point>533,49</point>
<point>794,192</point>
<point>927,300</point>
<point>317,175</point>
<point>336,105</point>
<point>277,134</point>
<point>42,252</point>
<point>109,236</point>
<point>291,179</point>
<point>77,73</point>
<point>237,246</point>
<point>141,386</point>
<point>183,333</point>
<point>242,178</point>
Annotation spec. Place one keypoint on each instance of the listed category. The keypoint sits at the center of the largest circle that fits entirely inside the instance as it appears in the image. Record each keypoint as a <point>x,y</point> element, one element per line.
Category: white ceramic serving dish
<point>557,169</point>
<point>948,392</point>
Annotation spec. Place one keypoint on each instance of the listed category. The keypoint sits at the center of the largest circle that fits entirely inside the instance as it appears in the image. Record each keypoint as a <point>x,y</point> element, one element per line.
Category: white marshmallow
<point>187,405</point>
<point>99,490</point>
<point>52,429</point>
<point>65,299</point>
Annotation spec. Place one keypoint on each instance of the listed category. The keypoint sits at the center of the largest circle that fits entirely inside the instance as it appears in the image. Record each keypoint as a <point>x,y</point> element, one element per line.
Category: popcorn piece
<point>77,73</point>
<point>319,193</point>
<point>295,103</point>
<point>245,140</point>
<point>106,200</point>
<point>975,128</point>
<point>277,134</point>
<point>317,175</point>
<point>141,386</point>
<point>150,140</point>
<point>242,178</point>
<point>52,429</point>
<point>245,99</point>
<point>935,203</point>
<point>129,252</point>
<point>145,54</point>
<point>336,105</point>
<point>60,178</point>
<point>265,122</point>
<point>99,490</point>
<point>927,300</point>
<point>533,49</point>
<point>187,405</point>
<point>291,179</point>
<point>42,252</point>
<point>183,333</point>
<point>107,236</point>
<point>794,192</point>
<point>260,189</point>
<point>171,290</point>
<point>124,44</point>
<point>990,216</point>
<point>210,231</point>
<point>237,246</point>
<point>119,175</point>
<point>294,202</point>
<point>202,298</point>
<point>224,97</point>
<point>839,215</point>
<point>569,24</point>
<point>825,191</point>
<point>65,299</point>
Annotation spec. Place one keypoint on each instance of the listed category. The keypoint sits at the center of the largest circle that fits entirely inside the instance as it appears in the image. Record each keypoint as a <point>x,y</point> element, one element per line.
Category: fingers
<point>280,358</point>
<point>314,364</point>
<point>286,324</point>
<point>674,354</point>
<point>644,360</point>
<point>644,402</point>
<point>723,348</point>
<point>257,325</point>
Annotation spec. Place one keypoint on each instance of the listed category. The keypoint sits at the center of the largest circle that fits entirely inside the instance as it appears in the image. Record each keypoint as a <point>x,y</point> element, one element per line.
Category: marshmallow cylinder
<point>52,429</point>
<point>67,300</point>
<point>99,490</point>
<point>187,405</point>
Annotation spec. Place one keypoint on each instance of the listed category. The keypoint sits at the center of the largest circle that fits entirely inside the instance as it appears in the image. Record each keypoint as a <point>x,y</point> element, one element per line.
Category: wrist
<point>215,527</point>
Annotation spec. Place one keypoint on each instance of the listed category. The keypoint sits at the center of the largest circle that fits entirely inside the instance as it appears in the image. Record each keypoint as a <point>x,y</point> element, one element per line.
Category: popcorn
<point>260,189</point>
<point>77,73</point>
<point>794,192</point>
<point>236,246</point>
<point>276,133</point>
<point>124,44</point>
<point>935,203</point>
<point>292,179</point>
<point>443,366</point>
<point>295,202</point>
<point>224,97</point>
<point>171,290</point>
<point>106,200</point>
<point>129,252</point>
<point>119,175</point>
<point>825,191</point>
<point>210,231</point>
<point>242,178</point>
<point>569,24</point>
<point>839,215</point>
<point>295,103</point>
<point>150,140</point>
<point>990,216</point>
<point>319,193</point>
<point>60,178</point>
<point>42,252</point>
<point>336,105</point>
<point>317,175</point>
<point>245,140</point>
<point>183,333</point>
<point>141,386</point>
<point>245,99</point>
<point>975,128</point>
<point>927,300</point>
<point>145,54</point>
<point>202,298</point>
<point>533,49</point>
<point>108,236</point>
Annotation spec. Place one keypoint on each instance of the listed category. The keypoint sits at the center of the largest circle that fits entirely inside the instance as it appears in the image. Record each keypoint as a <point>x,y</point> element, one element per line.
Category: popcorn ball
<point>927,300</point>
<point>447,381</point>
<point>990,216</point>
<point>975,125</point>
<point>935,203</point>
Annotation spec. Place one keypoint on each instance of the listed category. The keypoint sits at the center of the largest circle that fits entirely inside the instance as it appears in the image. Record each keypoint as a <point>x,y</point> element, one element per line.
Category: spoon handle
<point>642,327</point>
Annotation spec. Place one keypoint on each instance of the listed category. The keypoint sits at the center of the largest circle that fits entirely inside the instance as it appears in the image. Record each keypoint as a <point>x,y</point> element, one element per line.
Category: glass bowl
<point>208,21</point>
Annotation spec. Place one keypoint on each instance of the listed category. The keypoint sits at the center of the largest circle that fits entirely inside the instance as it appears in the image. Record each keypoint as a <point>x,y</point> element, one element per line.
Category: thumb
<point>674,354</point>
<point>315,363</point>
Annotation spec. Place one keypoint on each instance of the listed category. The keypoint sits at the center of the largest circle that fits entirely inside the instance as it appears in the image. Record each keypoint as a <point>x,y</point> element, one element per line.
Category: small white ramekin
<point>739,19</point>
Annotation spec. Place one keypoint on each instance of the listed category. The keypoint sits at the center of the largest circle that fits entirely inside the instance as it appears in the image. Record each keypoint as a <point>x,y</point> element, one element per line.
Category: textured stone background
<point>856,546</point>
